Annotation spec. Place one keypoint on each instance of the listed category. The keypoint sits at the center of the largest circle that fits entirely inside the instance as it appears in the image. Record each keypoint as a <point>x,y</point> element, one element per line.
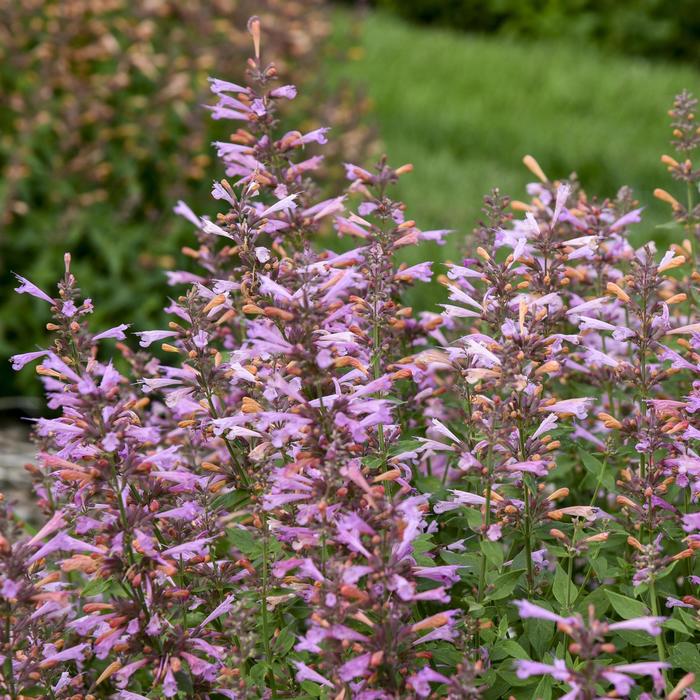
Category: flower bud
<point>534,167</point>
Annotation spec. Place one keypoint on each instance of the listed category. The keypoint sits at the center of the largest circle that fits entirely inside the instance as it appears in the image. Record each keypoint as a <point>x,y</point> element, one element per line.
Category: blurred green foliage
<point>465,109</point>
<point>652,28</point>
<point>102,130</point>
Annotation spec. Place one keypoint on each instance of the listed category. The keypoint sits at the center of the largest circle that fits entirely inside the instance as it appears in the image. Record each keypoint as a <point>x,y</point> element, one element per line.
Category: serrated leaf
<point>245,541</point>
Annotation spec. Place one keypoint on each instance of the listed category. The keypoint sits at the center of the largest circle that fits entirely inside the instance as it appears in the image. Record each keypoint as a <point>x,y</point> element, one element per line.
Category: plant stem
<point>263,612</point>
<point>660,642</point>
<point>528,543</point>
<point>485,525</point>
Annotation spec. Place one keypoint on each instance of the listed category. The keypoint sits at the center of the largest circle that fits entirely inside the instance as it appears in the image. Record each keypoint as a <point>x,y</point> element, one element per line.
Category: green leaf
<point>505,584</point>
<point>563,588</point>
<point>284,641</point>
<point>626,608</point>
<point>34,692</point>
<point>473,517</point>
<point>258,672</point>
<point>689,620</point>
<point>676,625</point>
<point>508,648</point>
<point>597,469</point>
<point>245,541</point>
<point>493,551</point>
<point>230,501</point>
<point>313,689</point>
<point>428,484</point>
<point>544,690</point>
<point>468,562</point>
<point>598,599</point>
<point>686,656</point>
<point>94,587</point>
<point>423,543</point>
<point>539,633</point>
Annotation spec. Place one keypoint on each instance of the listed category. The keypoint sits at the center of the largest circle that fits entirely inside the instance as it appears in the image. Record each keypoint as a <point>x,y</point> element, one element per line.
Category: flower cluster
<point>313,490</point>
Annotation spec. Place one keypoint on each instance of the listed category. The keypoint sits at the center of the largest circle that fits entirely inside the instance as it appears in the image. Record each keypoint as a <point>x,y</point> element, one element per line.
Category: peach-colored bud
<point>683,684</point>
<point>620,293</point>
<point>671,162</point>
<point>249,405</point>
<point>218,300</point>
<point>517,205</point>
<point>634,542</point>
<point>682,555</point>
<point>674,262</point>
<point>353,592</point>
<point>376,659</point>
<point>609,421</point>
<point>281,314</point>
<point>254,29</point>
<point>109,671</point>
<point>534,167</point>
<point>361,617</point>
<point>251,309</point>
<point>548,368</point>
<point>391,475</point>
<point>558,535</point>
<point>666,197</point>
<point>348,361</point>
<point>431,622</point>
<point>211,467</point>
<point>600,537</point>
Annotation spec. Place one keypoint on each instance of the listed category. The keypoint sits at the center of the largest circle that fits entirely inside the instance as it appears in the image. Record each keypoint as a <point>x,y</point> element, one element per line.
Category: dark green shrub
<point>667,29</point>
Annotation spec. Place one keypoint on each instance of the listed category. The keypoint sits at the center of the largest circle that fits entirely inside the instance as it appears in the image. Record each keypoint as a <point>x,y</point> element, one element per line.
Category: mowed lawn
<point>465,109</point>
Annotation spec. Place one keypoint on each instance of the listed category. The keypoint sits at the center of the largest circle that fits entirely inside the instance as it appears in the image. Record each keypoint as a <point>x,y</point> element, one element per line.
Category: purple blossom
<point>26,287</point>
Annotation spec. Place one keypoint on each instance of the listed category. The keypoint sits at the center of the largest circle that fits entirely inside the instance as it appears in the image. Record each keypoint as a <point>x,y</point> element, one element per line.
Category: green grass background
<point>465,109</point>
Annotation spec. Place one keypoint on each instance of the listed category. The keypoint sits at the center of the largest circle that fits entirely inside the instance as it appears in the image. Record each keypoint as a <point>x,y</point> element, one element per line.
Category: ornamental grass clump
<point>324,493</point>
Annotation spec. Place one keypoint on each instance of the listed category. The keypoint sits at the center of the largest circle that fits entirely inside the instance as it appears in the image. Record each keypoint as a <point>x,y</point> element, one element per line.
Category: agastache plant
<point>312,490</point>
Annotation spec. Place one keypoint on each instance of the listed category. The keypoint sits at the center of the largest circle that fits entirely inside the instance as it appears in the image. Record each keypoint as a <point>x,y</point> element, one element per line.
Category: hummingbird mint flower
<point>313,489</point>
